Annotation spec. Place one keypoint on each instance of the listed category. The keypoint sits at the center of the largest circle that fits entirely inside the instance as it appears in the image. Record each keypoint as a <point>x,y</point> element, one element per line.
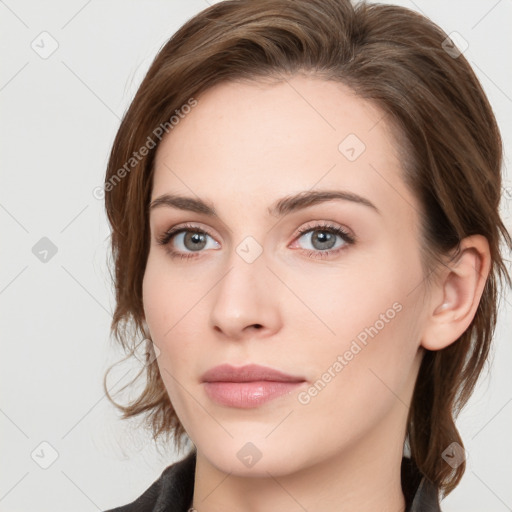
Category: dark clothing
<point>173,490</point>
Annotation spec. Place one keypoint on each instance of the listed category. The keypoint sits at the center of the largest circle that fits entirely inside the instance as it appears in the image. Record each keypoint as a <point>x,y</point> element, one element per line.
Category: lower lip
<point>247,395</point>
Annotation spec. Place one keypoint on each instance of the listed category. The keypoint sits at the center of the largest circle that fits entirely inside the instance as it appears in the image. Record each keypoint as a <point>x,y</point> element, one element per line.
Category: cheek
<point>168,297</point>
<point>339,303</point>
<point>369,318</point>
<point>365,374</point>
<point>163,308</point>
<point>175,315</point>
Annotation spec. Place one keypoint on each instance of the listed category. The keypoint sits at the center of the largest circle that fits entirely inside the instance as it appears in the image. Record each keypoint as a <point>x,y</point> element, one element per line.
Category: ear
<point>456,294</point>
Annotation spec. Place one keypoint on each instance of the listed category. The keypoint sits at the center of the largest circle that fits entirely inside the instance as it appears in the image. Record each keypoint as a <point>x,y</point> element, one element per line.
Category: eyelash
<point>166,237</point>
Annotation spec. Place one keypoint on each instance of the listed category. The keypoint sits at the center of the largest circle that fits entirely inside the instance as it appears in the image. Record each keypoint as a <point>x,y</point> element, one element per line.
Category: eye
<point>189,239</point>
<point>322,239</point>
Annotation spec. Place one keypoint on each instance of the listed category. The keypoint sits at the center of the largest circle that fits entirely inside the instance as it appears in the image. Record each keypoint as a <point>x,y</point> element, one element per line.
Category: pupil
<point>197,240</point>
<point>324,237</point>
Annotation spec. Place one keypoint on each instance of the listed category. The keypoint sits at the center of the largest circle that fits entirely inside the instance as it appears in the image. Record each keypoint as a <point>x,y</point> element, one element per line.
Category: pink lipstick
<point>247,386</point>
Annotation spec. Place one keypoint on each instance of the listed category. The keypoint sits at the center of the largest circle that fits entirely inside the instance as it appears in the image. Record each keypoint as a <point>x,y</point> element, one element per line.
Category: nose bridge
<point>244,295</point>
<point>246,266</point>
<point>246,259</point>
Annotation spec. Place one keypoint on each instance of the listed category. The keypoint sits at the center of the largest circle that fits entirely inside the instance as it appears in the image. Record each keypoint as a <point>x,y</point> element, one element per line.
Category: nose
<point>246,300</point>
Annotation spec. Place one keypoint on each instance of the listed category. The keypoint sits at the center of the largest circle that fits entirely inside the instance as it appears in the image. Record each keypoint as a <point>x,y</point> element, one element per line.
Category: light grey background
<point>59,118</point>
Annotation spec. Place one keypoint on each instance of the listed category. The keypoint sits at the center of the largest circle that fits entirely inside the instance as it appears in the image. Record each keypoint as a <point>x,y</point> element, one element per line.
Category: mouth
<point>247,386</point>
<point>246,395</point>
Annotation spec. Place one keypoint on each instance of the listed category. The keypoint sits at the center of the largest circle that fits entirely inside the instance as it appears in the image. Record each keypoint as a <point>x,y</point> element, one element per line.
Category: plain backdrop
<point>69,70</point>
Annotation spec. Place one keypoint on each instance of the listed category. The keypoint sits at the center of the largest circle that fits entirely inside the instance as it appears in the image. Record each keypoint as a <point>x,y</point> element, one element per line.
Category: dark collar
<point>421,495</point>
<point>175,487</point>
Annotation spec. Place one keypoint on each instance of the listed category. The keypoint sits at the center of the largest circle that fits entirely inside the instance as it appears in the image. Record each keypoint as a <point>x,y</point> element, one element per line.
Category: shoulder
<point>174,487</point>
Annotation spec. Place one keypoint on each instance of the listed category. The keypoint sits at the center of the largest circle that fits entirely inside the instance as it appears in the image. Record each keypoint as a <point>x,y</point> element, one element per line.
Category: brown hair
<point>389,55</point>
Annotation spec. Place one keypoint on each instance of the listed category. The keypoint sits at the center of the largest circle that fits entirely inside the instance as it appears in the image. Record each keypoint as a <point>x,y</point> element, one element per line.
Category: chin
<point>257,458</point>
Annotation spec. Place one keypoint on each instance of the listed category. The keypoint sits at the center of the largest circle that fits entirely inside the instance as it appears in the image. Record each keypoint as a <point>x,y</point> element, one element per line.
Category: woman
<point>304,206</point>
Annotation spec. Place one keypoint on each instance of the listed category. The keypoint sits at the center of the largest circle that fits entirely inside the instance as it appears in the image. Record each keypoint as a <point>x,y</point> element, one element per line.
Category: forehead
<point>248,140</point>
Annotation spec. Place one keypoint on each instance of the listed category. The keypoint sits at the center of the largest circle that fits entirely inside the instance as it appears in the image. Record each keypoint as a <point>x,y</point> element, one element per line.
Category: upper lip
<point>247,373</point>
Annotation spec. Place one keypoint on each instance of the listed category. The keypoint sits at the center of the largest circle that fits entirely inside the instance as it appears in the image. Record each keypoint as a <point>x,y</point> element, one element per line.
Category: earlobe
<point>455,301</point>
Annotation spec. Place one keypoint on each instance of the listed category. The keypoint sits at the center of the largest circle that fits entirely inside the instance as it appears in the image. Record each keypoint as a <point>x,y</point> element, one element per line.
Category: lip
<point>247,373</point>
<point>247,386</point>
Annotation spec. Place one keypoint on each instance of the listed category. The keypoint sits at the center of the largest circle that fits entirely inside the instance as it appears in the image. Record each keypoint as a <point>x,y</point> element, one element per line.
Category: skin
<point>243,147</point>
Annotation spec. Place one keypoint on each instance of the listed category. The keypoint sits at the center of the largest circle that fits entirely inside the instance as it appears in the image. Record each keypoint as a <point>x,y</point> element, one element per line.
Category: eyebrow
<point>280,208</point>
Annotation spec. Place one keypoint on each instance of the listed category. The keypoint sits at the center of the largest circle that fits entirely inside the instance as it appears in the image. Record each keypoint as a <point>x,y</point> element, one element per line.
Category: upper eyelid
<point>325,224</point>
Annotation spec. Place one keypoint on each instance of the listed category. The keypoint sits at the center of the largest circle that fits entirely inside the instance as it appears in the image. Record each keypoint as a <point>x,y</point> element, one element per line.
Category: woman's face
<point>268,280</point>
